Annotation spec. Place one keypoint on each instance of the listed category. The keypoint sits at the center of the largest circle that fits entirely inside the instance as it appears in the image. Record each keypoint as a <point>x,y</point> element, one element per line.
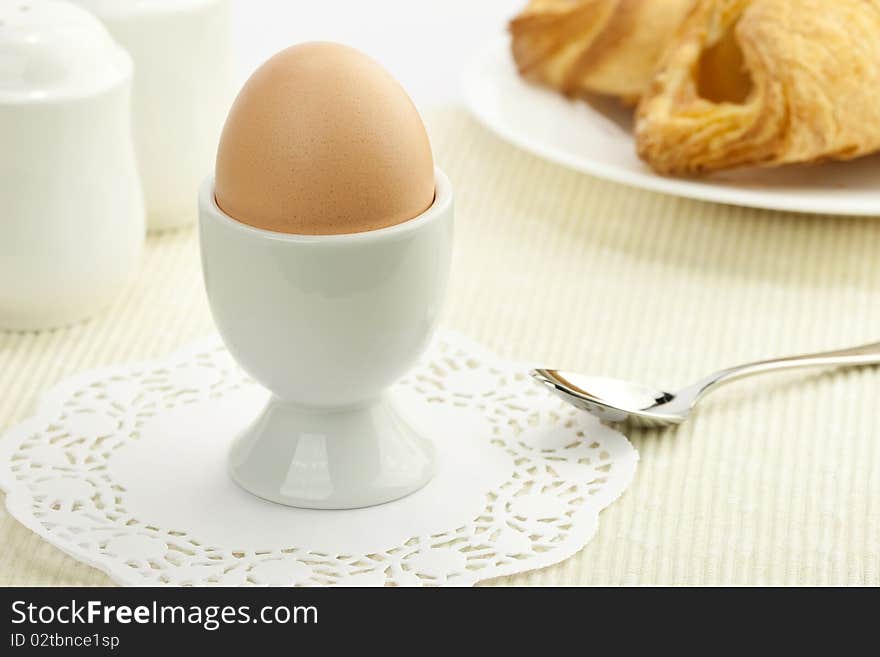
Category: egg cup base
<point>337,458</point>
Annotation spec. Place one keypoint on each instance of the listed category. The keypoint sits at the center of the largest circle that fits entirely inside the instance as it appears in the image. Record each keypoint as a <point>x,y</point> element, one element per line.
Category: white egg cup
<point>327,323</point>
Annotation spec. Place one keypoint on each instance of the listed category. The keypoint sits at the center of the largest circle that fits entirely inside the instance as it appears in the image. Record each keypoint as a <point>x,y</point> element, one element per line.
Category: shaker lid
<point>53,50</point>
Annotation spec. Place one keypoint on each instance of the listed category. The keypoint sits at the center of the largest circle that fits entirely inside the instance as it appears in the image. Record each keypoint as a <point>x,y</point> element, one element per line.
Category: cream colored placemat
<point>776,481</point>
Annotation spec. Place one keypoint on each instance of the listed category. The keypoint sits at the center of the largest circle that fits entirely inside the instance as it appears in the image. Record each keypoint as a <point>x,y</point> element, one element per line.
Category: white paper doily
<point>125,470</point>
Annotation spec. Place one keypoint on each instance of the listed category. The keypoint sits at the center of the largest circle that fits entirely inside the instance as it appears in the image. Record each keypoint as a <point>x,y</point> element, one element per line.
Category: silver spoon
<point>615,401</point>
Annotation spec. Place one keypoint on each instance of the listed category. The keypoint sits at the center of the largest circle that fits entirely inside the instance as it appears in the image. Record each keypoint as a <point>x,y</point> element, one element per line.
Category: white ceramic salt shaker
<point>71,208</point>
<point>181,94</point>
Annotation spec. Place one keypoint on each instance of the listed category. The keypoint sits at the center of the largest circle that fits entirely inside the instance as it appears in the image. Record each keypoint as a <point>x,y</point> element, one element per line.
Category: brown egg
<point>320,141</point>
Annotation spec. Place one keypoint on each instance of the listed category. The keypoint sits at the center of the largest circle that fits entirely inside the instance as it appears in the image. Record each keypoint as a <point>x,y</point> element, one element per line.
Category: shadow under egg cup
<point>327,323</point>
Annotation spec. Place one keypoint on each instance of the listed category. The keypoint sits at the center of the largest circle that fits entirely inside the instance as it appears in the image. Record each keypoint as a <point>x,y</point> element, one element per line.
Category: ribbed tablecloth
<point>775,481</point>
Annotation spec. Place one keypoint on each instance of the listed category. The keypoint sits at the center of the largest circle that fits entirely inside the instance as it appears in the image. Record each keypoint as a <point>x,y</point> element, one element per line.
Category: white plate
<point>596,138</point>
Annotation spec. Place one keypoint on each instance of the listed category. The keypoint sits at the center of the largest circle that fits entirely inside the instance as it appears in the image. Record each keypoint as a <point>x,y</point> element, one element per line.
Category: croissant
<point>608,47</point>
<point>765,83</point>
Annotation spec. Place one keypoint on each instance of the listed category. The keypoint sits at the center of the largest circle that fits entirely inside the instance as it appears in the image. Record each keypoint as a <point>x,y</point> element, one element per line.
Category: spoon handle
<point>868,354</point>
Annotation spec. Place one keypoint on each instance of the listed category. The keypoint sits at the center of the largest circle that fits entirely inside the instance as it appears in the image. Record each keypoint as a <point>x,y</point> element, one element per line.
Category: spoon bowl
<point>617,402</point>
<point>613,400</point>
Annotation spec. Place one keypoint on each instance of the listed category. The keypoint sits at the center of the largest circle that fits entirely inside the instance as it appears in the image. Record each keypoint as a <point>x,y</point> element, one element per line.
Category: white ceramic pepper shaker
<point>181,94</point>
<point>71,208</point>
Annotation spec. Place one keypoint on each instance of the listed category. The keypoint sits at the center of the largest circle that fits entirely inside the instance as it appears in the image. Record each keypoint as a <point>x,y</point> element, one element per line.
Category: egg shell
<point>322,140</point>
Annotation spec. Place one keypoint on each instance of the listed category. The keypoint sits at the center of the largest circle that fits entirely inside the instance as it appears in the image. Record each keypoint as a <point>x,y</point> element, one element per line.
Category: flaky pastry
<point>765,83</point>
<point>608,47</point>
